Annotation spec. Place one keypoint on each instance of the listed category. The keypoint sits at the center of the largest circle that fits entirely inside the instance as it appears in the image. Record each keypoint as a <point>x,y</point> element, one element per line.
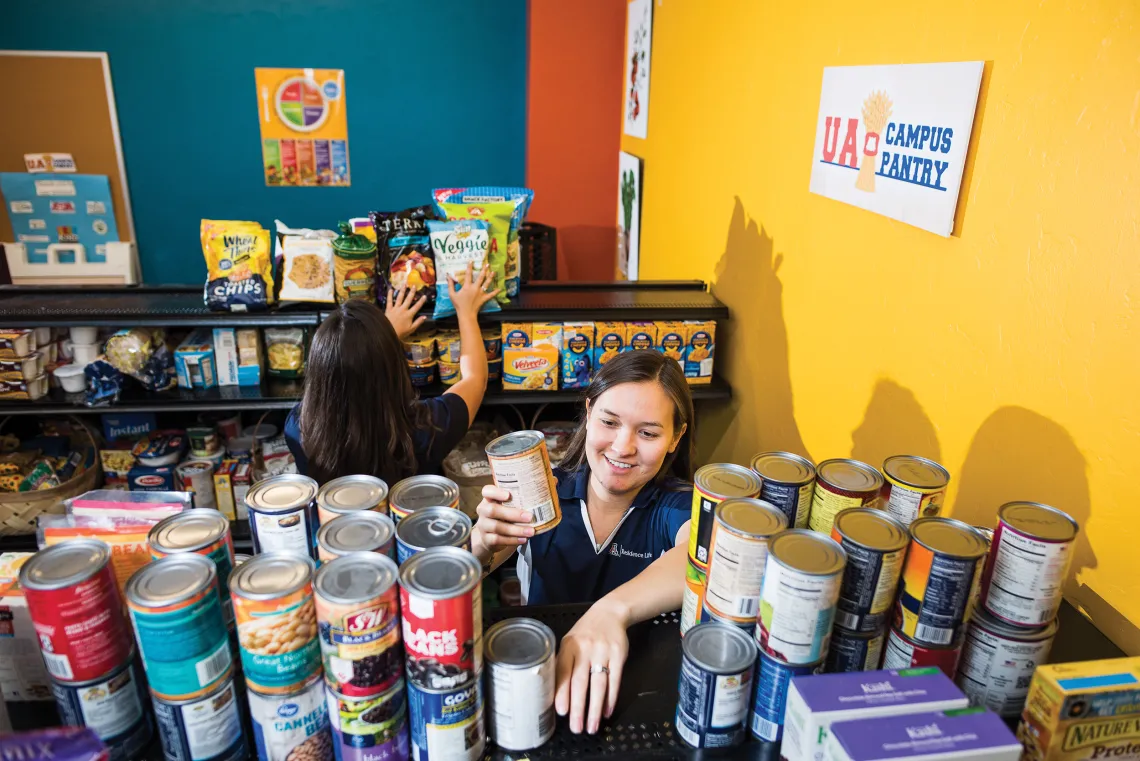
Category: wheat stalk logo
<point>876,113</point>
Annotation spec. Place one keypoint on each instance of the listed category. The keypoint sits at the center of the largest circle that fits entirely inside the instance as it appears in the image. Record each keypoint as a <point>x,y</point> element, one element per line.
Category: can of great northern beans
<point>788,482</point>
<point>713,484</point>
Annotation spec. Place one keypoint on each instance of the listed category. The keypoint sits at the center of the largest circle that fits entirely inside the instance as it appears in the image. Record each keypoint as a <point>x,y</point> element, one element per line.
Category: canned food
<point>714,686</point>
<point>446,725</point>
<point>797,602</point>
<point>351,494</point>
<point>293,726</point>
<point>902,652</point>
<point>738,551</point>
<point>208,727</point>
<point>204,440</point>
<point>841,485</point>
<point>713,484</point>
<point>358,616</point>
<point>239,558</point>
<point>423,375</point>
<point>875,545</point>
<point>418,492</point>
<point>281,514</point>
<point>449,373</point>
<point>495,369</point>
<point>693,598</point>
<point>493,343</point>
<point>202,532</point>
<point>420,348</point>
<point>747,626</point>
<point>370,729</point>
<point>788,482</point>
<point>943,568</point>
<point>276,622</point>
<point>520,463</point>
<point>520,683</point>
<point>76,610</point>
<point>913,487</point>
<point>197,478</point>
<point>432,527</point>
<point>227,425</point>
<point>854,651</point>
<point>113,706</point>
<point>998,661</point>
<point>770,682</point>
<point>442,606</point>
<point>1032,551</point>
<point>356,532</point>
<point>177,614</point>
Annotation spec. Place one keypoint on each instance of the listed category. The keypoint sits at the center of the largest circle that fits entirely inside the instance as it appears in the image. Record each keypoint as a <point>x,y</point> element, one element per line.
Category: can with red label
<point>77,611</point>
<point>442,609</point>
<point>902,652</point>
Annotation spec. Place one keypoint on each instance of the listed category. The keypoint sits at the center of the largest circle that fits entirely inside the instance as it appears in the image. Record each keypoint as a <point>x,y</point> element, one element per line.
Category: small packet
<point>497,215</point>
<point>306,261</point>
<point>104,383</point>
<point>521,197</point>
<point>404,251</point>
<point>455,245</point>
<point>41,476</point>
<point>286,349</point>
<point>239,269</point>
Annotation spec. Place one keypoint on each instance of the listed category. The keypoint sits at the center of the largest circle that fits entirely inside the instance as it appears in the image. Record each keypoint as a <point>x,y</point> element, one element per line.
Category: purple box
<point>973,733</point>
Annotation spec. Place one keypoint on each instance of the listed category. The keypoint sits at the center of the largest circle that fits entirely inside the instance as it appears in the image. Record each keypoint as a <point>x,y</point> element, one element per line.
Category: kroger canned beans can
<point>181,632</point>
<point>292,726</point>
<point>205,728</point>
<point>876,545</point>
<point>738,554</point>
<point>76,610</point>
<point>788,482</point>
<point>797,602</point>
<point>854,651</point>
<point>770,682</point>
<point>358,616</point>
<point>351,494</point>
<point>418,492</point>
<point>357,532</point>
<point>714,686</point>
<point>693,598</point>
<point>902,652</point>
<point>202,532</point>
<point>432,527</point>
<point>713,484</point>
<point>998,661</point>
<point>369,729</point>
<point>441,606</point>
<point>841,485</point>
<point>282,517</point>
<point>113,706</point>
<point>447,725</point>
<point>520,463</point>
<point>940,577</point>
<point>1030,558</point>
<point>913,487</point>
<point>276,622</point>
<point>520,683</point>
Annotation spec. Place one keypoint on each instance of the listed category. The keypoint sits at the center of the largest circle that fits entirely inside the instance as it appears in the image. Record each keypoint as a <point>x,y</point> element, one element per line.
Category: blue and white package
<point>523,198</point>
<point>455,244</point>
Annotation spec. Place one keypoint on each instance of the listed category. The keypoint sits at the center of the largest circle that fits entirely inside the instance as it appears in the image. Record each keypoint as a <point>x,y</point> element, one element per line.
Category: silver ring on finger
<point>596,669</point>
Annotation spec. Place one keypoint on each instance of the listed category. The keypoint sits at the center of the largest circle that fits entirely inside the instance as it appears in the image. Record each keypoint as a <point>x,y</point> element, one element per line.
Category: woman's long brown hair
<point>359,408</point>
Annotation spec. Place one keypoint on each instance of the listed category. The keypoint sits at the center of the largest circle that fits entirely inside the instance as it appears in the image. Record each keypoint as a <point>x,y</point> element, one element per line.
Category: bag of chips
<point>522,198</point>
<point>305,258</point>
<point>455,245</point>
<point>239,271</point>
<point>405,252</point>
<point>497,215</point>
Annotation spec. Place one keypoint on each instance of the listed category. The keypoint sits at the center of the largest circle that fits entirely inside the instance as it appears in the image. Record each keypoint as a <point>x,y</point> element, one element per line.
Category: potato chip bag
<point>497,215</point>
<point>239,269</point>
<point>521,197</point>
<point>455,245</point>
<point>404,251</point>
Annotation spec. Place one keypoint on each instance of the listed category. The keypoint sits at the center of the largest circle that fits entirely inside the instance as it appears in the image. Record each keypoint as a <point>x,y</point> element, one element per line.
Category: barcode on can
<point>214,665</point>
<point>58,666</point>
<point>933,634</point>
<point>747,607</point>
<point>688,735</point>
<point>845,620</point>
<point>764,729</point>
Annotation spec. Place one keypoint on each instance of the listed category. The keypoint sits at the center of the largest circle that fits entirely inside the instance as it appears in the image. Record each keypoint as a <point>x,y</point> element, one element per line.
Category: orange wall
<point>574,128</point>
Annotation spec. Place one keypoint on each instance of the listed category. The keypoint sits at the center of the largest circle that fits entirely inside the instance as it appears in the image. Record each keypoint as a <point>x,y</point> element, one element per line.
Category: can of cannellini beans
<point>738,555</point>
<point>351,494</point>
<point>914,487</point>
<point>788,482</point>
<point>292,726</point>
<point>417,492</point>
<point>713,484</point>
<point>520,464</point>
<point>841,485</point>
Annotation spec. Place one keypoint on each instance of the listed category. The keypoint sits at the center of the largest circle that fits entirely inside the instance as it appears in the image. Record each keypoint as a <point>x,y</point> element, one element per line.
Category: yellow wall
<point>1007,352</point>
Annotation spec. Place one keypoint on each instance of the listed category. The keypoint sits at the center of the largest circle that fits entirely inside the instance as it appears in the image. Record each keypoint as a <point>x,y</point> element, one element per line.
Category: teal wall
<point>436,97</point>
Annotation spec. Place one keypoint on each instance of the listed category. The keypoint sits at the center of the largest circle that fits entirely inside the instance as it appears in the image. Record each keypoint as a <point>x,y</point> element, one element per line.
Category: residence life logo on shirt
<point>617,551</point>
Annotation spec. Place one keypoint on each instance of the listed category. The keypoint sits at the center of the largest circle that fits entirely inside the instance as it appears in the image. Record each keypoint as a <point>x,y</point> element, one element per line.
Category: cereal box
<point>971,733</point>
<point>577,354</point>
<point>1083,711</point>
<point>640,335</point>
<point>516,334</point>
<point>609,341</point>
<point>671,340</point>
<point>22,672</point>
<point>700,345</point>
<point>531,368</point>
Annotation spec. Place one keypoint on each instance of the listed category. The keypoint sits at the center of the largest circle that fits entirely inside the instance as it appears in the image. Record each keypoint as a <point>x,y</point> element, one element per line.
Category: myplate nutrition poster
<point>304,126</point>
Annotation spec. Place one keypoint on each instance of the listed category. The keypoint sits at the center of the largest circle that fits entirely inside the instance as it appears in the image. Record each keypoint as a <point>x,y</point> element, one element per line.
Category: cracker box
<point>671,340</point>
<point>194,360</point>
<point>972,734</point>
<point>516,334</point>
<point>1083,711</point>
<point>531,368</point>
<point>249,357</point>
<point>640,335</point>
<point>22,673</point>
<point>242,478</point>
<point>577,354</point>
<point>224,488</point>
<point>226,356</point>
<point>609,341</point>
<point>700,345</point>
<point>817,701</point>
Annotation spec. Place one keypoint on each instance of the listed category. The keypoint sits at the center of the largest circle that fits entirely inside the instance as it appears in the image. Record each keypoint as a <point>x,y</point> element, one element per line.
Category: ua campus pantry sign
<point>893,139</point>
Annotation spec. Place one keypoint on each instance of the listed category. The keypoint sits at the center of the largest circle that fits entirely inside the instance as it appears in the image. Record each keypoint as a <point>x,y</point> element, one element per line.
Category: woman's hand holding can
<point>497,526</point>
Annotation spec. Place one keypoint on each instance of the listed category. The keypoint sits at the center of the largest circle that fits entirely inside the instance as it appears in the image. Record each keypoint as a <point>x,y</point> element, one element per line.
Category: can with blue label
<point>854,651</point>
<point>770,683</point>
<point>202,729</point>
<point>715,685</point>
<point>112,706</point>
<point>293,726</point>
<point>432,527</point>
<point>446,725</point>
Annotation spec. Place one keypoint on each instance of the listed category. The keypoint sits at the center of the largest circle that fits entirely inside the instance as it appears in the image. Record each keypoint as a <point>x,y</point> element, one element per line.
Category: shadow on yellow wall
<point>894,423</point>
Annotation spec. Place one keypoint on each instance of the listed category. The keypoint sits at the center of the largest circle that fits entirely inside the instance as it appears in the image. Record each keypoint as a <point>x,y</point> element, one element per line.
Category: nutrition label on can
<point>282,533</point>
<point>513,700</point>
<point>792,501</point>
<point>944,602</point>
<point>690,609</point>
<point>210,726</point>
<point>735,573</point>
<point>995,672</point>
<point>796,614</point>
<point>906,506</point>
<point>527,478</point>
<point>868,587</point>
<point>897,654</point>
<point>711,704</point>
<point>825,505</point>
<point>1025,585</point>
<point>111,708</point>
<point>700,528</point>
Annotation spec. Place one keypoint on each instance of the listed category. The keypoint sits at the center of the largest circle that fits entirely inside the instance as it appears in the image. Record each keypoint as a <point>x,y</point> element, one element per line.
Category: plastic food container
<point>85,354</point>
<point>86,335</point>
<point>71,378</point>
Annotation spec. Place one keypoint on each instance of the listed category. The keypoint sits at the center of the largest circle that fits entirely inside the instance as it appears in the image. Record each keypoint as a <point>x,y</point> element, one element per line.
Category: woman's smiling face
<point>629,431</point>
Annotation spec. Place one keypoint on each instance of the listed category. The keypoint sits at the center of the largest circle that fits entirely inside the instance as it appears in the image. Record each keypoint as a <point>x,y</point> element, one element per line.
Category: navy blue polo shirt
<point>564,565</point>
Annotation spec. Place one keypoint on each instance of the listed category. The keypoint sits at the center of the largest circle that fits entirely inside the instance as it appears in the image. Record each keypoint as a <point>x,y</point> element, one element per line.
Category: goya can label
<point>76,610</point>
<point>432,527</point>
<point>770,682</point>
<point>942,570</point>
<point>713,484</point>
<point>446,725</point>
<point>114,707</point>
<point>204,729</point>
<point>520,683</point>
<point>202,532</point>
<point>442,610</point>
<point>356,532</point>
<point>276,622</point>
<point>693,598</point>
<point>182,636</point>
<point>875,545</point>
<point>418,492</point>
<point>282,517</point>
<point>714,686</point>
<point>914,487</point>
<point>738,555</point>
<point>854,651</point>
<point>797,602</point>
<point>841,485</point>
<point>370,729</point>
<point>351,494</point>
<point>358,616</point>
<point>998,662</point>
<point>293,726</point>
<point>520,463</point>
<point>788,482</point>
<point>902,652</point>
<point>1032,551</point>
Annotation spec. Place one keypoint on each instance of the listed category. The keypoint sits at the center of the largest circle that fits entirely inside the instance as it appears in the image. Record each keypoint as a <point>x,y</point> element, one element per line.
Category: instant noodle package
<point>239,275</point>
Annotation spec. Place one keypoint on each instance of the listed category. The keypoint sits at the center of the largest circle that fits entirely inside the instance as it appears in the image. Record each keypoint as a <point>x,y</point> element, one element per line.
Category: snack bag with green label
<point>497,215</point>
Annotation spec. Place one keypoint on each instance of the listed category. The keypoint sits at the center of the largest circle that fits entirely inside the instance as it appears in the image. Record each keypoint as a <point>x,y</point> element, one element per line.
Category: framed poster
<point>629,216</point>
<point>639,39</point>
<point>304,126</point>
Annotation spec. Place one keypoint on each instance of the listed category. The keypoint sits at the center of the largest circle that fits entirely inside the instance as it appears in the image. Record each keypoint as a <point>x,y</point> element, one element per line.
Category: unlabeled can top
<point>440,573</point>
<point>725,480</point>
<point>719,648</point>
<point>355,577</point>
<point>515,443</point>
<point>280,494</point>
<point>264,577</point>
<point>947,536</point>
<point>434,527</point>
<point>63,565</point>
<point>754,517</point>
<point>352,493</point>
<point>872,528</point>
<point>418,492</point>
<point>807,552</point>
<point>783,467</point>
<point>916,471</point>
<point>985,621</point>
<point>850,475</point>
<point>364,531</point>
<point>188,531</point>
<point>171,580</point>
<point>1039,521</point>
<point>240,557</point>
<point>518,643</point>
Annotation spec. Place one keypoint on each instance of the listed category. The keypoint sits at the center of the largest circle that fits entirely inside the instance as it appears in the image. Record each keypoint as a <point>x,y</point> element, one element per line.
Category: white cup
<point>65,346</point>
<point>43,336</point>
<point>71,377</point>
<point>85,354</point>
<point>84,335</point>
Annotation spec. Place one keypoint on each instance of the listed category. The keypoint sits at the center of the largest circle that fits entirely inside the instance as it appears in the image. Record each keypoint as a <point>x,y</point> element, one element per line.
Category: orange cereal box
<point>700,345</point>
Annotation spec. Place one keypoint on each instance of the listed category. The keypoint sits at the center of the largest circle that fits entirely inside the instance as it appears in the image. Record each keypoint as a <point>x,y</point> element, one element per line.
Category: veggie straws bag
<point>522,198</point>
<point>497,214</point>
<point>405,252</point>
<point>455,245</point>
<point>239,268</point>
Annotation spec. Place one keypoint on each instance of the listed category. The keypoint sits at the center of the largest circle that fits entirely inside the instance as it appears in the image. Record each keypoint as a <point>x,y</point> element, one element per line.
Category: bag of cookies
<point>239,272</point>
<point>305,258</point>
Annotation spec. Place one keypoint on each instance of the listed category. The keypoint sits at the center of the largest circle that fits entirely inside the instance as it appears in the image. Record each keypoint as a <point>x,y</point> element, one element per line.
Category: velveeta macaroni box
<point>531,368</point>
<point>1083,711</point>
<point>609,341</point>
<point>577,354</point>
<point>640,335</point>
<point>671,340</point>
<point>700,344</point>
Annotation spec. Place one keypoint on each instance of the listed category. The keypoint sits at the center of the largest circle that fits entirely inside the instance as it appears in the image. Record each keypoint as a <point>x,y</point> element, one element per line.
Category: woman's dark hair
<point>359,408</point>
<point>641,367</point>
